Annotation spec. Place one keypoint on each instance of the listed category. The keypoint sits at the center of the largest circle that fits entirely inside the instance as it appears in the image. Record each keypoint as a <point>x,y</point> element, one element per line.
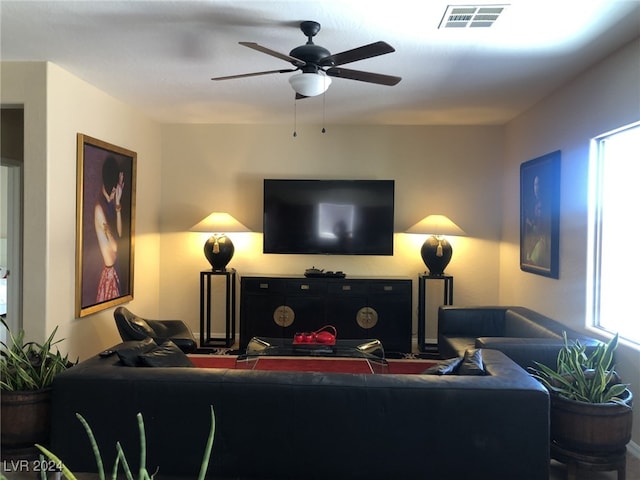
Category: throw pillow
<point>167,354</point>
<point>129,351</point>
<point>447,367</point>
<point>472,363</point>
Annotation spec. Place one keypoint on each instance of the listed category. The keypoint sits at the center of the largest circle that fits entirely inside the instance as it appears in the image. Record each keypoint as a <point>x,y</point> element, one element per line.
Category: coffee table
<point>370,351</point>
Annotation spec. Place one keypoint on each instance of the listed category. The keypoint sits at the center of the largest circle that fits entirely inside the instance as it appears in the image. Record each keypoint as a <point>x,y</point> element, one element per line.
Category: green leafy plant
<point>121,459</point>
<point>30,365</point>
<point>589,378</point>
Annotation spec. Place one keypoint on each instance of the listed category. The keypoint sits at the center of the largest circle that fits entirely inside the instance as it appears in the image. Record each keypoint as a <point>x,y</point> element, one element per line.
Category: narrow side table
<point>206,304</point>
<point>422,287</point>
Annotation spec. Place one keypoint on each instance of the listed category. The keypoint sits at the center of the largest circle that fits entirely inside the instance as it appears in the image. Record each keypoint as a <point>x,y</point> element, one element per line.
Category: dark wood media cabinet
<point>357,307</point>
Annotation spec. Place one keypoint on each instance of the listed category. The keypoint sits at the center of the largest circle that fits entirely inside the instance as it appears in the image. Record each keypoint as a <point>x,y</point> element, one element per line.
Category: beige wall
<point>57,106</point>
<point>604,98</point>
<point>450,170</point>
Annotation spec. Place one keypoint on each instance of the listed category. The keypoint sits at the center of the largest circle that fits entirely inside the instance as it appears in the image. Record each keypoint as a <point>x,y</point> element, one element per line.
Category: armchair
<point>132,327</point>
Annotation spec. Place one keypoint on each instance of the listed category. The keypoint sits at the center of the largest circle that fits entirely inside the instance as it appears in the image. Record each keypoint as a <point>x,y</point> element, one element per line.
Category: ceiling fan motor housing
<point>312,55</point>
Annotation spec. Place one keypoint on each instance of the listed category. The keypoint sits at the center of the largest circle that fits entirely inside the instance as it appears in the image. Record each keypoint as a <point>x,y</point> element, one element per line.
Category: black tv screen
<point>340,217</point>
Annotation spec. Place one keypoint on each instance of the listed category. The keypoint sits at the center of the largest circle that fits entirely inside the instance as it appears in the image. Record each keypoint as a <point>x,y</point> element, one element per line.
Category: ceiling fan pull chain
<point>324,107</point>
<point>295,118</point>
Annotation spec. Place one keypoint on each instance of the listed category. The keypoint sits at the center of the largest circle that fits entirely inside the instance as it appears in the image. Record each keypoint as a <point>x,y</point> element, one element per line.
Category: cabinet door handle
<point>346,288</point>
<point>283,316</point>
<point>388,288</point>
<point>367,317</point>
<point>304,287</point>
<point>264,285</point>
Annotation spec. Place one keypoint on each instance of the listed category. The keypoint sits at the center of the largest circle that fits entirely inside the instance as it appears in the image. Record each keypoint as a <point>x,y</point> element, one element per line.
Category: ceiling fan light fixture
<point>310,84</point>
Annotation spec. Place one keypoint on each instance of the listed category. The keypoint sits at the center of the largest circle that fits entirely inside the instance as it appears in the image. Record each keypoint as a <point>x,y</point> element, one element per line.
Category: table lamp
<point>219,248</point>
<point>436,251</point>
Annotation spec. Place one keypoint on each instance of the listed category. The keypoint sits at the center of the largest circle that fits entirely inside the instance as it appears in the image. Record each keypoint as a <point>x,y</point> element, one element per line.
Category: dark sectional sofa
<point>522,334</point>
<point>308,425</point>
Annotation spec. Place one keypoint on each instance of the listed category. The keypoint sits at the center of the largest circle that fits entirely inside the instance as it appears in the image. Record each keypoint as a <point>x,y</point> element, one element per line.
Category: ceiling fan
<point>316,64</point>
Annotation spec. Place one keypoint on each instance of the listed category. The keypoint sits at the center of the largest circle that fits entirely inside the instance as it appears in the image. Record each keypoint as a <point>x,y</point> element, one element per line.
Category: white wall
<point>450,170</point>
<point>57,106</point>
<point>605,97</point>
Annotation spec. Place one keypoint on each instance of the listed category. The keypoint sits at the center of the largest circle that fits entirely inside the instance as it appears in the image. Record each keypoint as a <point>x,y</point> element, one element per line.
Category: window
<point>614,218</point>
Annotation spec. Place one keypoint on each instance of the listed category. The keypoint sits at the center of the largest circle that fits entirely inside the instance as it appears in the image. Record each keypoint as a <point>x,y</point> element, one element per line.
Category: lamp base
<point>436,254</point>
<point>219,251</point>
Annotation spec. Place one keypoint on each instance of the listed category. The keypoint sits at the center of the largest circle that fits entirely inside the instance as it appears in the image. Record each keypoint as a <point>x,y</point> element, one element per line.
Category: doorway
<point>11,188</point>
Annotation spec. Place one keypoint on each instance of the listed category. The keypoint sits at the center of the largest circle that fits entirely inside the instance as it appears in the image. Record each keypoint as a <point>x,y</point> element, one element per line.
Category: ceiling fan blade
<point>361,76</point>
<point>360,53</point>
<point>287,58</point>
<point>254,74</point>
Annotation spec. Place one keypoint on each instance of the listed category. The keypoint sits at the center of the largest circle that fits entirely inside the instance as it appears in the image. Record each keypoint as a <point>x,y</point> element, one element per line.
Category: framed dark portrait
<point>105,230</point>
<point>540,215</point>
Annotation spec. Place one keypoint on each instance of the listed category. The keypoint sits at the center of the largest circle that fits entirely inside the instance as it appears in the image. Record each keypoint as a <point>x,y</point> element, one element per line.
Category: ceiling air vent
<point>470,16</point>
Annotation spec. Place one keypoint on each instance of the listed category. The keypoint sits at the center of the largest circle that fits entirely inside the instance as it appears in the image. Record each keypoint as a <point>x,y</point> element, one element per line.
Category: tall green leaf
<point>121,458</point>
<point>30,365</point>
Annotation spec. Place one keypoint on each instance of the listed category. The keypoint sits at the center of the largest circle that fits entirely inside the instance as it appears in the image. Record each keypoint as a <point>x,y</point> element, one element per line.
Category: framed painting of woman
<point>105,231</point>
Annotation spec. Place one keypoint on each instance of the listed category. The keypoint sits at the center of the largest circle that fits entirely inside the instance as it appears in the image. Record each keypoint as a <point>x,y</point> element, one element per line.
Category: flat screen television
<point>338,217</point>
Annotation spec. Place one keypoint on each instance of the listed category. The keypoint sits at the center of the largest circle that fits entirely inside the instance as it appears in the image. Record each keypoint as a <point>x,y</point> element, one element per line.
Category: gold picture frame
<point>105,225</point>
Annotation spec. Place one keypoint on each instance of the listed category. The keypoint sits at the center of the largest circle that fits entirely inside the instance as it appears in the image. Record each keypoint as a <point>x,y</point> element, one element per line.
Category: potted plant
<point>591,409</point>
<point>27,370</point>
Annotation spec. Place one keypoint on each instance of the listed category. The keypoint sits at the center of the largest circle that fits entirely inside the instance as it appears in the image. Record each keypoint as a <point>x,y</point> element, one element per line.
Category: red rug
<point>312,364</point>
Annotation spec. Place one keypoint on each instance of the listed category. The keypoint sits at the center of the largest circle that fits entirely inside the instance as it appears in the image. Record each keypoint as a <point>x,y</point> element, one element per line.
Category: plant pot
<point>26,417</point>
<point>591,427</point>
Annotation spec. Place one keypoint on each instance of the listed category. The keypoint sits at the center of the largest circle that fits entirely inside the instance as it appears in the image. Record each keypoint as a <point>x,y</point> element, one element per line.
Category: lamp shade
<point>310,84</point>
<point>436,251</point>
<point>219,248</point>
<point>437,225</point>
<point>219,222</point>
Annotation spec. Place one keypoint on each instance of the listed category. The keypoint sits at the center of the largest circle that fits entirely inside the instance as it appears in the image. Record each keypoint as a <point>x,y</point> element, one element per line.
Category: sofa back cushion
<point>521,322</point>
<point>471,322</point>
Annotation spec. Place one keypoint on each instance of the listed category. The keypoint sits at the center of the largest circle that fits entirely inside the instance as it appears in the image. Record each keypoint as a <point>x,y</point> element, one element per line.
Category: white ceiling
<point>159,56</point>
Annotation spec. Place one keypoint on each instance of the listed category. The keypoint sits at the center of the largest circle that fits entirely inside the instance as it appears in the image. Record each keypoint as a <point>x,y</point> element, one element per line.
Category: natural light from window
<point>614,256</point>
